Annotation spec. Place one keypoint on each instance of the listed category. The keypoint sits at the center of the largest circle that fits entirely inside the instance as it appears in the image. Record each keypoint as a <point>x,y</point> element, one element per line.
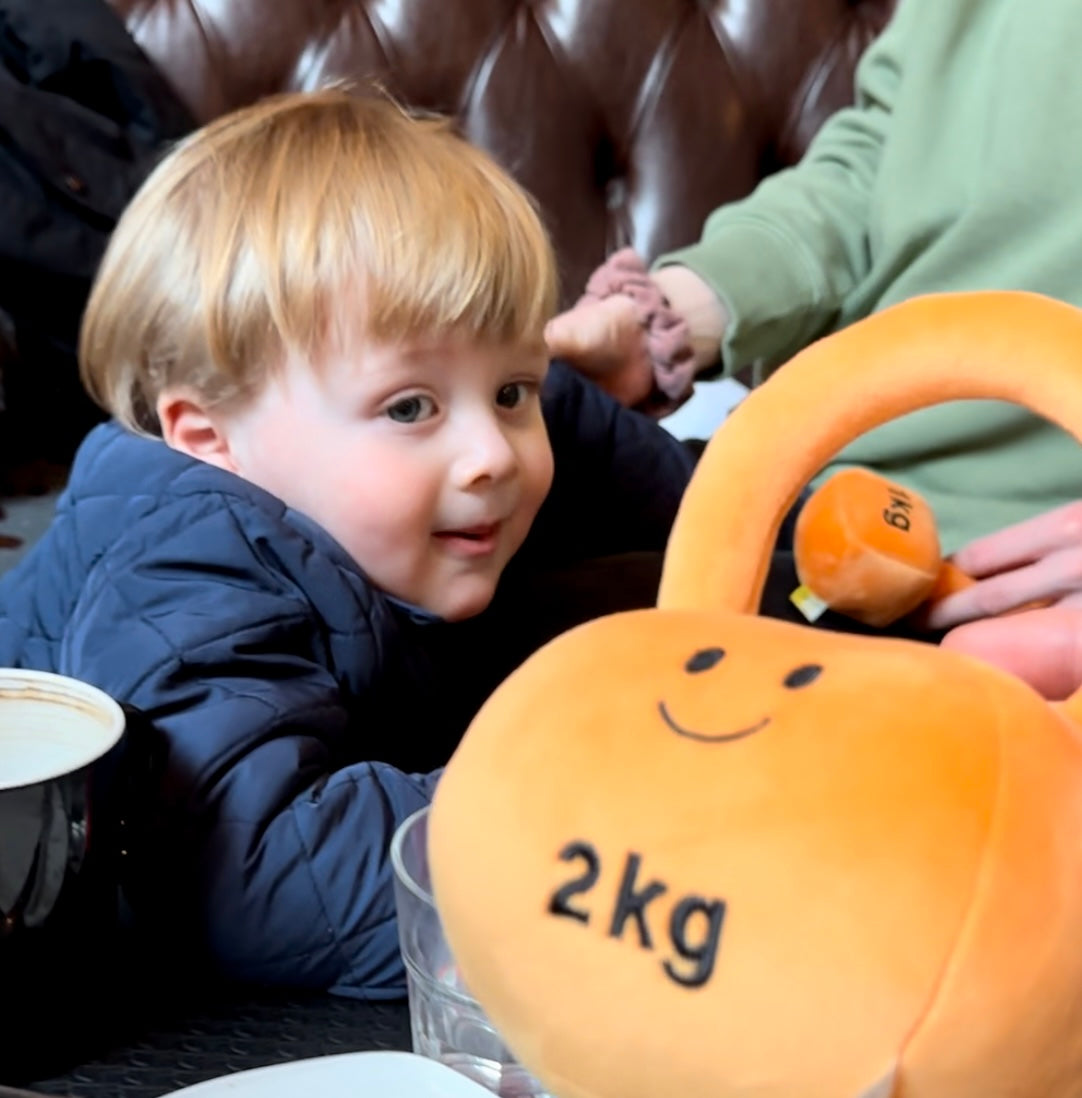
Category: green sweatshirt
<point>959,168</point>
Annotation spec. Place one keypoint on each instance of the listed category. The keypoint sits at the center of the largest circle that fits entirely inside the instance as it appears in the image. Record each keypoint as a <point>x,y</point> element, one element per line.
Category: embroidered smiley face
<point>706,659</point>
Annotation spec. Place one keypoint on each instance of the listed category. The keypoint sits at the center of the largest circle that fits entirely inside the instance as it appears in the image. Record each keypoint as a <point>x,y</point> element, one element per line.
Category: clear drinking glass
<point>448,1025</point>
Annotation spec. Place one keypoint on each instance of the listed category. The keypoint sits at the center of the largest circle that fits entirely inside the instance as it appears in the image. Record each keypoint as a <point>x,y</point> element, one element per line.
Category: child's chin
<point>467,605</point>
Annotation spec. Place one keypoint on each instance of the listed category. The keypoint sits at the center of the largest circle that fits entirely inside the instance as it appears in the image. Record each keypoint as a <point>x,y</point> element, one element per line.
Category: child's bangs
<point>302,226</point>
<point>434,243</point>
<point>483,269</point>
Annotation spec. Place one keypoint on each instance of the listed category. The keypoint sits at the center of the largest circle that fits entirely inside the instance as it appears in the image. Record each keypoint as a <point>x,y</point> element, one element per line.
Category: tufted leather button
<point>615,194</point>
<point>696,99</point>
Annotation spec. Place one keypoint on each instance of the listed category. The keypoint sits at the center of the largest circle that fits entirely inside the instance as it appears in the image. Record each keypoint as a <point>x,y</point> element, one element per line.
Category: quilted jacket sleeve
<point>268,843</point>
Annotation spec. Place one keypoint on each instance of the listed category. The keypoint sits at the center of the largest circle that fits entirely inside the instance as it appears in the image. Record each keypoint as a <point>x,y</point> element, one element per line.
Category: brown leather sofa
<point>629,120</point>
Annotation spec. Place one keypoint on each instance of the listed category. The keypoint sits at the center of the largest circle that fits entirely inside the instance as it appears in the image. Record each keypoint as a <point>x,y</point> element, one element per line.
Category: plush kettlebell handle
<point>995,345</point>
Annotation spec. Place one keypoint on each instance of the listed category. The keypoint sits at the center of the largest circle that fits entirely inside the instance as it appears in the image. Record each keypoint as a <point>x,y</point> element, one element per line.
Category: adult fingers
<point>1042,647</point>
<point>1022,542</point>
<point>1050,579</point>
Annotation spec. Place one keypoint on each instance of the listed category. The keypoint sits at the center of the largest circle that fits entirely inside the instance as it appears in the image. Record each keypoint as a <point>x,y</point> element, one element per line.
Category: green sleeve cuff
<point>771,293</point>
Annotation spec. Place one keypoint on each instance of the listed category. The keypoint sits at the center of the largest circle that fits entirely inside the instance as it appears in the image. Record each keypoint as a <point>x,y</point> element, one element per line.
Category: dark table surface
<point>148,1049</point>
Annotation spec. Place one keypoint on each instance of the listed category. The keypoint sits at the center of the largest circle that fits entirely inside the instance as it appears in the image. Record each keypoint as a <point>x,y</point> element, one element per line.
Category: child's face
<point>427,461</point>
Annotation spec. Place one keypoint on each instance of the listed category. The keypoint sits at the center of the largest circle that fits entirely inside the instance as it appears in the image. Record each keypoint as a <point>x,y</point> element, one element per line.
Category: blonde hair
<point>253,235</point>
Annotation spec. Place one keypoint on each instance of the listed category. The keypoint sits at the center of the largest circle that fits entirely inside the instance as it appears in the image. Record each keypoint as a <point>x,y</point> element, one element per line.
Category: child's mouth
<point>472,541</point>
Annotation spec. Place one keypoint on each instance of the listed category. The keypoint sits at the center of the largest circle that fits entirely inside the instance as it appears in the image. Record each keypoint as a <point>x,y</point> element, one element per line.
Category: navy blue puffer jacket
<point>300,713</point>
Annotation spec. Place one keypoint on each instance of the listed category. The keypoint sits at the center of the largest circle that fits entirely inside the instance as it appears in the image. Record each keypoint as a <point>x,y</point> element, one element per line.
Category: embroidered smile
<point>706,737</point>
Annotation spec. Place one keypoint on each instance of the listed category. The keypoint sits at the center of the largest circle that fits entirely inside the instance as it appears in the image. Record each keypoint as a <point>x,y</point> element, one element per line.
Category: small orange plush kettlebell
<point>868,548</point>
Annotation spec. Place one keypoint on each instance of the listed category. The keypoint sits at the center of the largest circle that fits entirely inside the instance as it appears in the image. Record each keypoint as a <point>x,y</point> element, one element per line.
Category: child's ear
<point>193,429</point>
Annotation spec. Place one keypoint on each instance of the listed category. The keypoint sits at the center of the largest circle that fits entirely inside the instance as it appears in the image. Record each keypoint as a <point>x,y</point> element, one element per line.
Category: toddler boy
<point>339,489</point>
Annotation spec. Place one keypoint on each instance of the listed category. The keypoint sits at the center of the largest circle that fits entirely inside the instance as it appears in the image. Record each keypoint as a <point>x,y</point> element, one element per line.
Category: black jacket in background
<point>84,115</point>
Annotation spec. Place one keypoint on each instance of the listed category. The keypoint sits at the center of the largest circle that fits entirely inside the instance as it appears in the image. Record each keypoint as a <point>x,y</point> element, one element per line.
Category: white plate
<point>349,1075</point>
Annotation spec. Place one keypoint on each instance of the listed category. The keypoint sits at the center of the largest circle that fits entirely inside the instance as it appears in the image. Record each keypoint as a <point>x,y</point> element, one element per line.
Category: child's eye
<point>411,409</point>
<point>511,396</point>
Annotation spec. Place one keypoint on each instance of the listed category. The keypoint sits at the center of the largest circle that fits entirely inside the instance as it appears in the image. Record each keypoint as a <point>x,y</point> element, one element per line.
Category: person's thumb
<point>1042,647</point>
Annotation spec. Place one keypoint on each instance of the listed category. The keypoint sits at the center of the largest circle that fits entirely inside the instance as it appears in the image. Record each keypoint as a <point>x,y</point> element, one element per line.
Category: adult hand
<point>1042,647</point>
<point>1033,563</point>
<point>1038,561</point>
<point>603,338</point>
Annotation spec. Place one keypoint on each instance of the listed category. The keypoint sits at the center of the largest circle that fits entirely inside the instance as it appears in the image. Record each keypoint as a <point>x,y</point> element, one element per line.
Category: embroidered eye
<point>801,676</point>
<point>704,659</point>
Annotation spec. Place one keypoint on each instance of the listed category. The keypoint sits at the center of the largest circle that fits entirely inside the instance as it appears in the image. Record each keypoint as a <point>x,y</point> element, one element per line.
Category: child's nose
<point>485,453</point>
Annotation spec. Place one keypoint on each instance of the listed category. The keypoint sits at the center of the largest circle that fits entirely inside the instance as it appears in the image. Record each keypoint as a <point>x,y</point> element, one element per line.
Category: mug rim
<point>53,688</point>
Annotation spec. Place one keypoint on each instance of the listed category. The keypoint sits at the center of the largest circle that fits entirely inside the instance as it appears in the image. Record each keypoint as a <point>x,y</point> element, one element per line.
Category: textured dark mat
<point>231,1035</point>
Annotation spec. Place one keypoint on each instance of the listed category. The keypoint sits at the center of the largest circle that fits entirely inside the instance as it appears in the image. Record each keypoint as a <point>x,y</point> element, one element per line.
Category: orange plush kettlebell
<point>868,548</point>
<point>692,851</point>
